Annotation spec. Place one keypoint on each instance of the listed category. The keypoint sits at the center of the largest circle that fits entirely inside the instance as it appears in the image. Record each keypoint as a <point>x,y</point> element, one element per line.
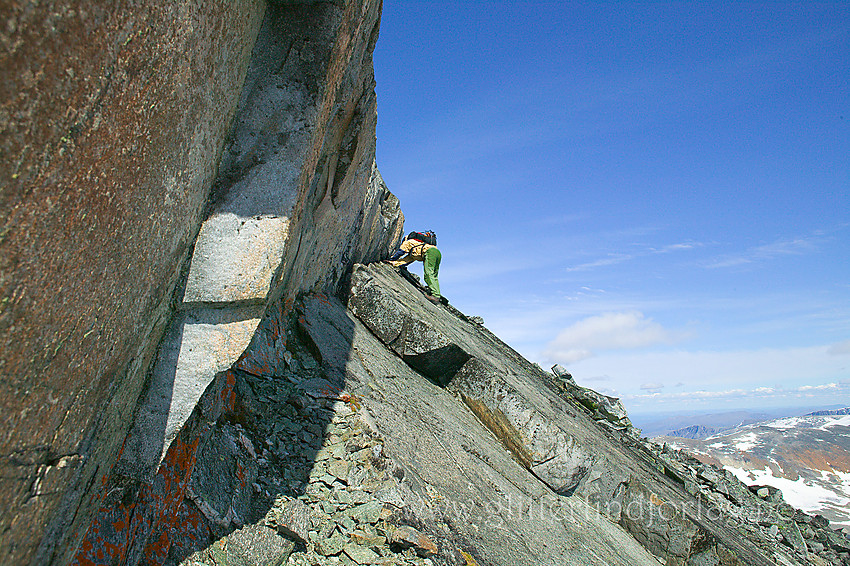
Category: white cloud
<point>729,261</point>
<point>612,259</point>
<point>787,247</point>
<point>797,246</point>
<point>747,378</point>
<point>709,394</point>
<point>839,348</point>
<point>610,331</point>
<point>644,251</point>
<point>823,387</point>
<point>758,392</point>
<point>652,386</point>
<point>678,247</point>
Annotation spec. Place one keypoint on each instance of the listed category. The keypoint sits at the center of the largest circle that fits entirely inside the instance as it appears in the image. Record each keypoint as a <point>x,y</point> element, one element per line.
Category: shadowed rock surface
<point>114,121</point>
<point>113,117</point>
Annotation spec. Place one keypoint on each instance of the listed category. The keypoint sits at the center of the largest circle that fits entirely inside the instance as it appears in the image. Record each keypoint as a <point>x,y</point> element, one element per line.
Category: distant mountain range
<point>714,423</point>
<point>806,457</point>
<point>845,411</point>
<point>694,431</point>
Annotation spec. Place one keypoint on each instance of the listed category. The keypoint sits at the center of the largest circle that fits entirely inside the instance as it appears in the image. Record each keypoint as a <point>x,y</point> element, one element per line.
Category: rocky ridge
<point>336,467</point>
<point>761,516</point>
<point>292,402</point>
<point>759,511</point>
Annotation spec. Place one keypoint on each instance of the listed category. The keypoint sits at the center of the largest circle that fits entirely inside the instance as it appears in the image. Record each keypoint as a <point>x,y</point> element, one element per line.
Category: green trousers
<point>432,270</point>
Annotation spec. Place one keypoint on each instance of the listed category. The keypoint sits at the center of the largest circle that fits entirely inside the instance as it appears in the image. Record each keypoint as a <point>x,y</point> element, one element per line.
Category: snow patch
<point>844,420</point>
<point>802,493</point>
<point>746,442</point>
<point>784,424</point>
<point>820,422</point>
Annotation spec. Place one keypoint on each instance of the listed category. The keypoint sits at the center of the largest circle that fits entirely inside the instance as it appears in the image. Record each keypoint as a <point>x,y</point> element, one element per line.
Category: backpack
<point>428,237</point>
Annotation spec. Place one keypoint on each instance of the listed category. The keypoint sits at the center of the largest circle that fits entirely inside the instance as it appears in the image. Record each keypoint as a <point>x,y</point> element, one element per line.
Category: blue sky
<point>655,195</point>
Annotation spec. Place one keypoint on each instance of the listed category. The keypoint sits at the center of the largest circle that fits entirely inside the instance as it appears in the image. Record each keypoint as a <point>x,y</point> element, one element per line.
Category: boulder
<point>292,519</point>
<point>360,554</point>
<point>562,374</point>
<point>838,541</point>
<point>257,545</point>
<point>408,537</point>
<point>792,537</point>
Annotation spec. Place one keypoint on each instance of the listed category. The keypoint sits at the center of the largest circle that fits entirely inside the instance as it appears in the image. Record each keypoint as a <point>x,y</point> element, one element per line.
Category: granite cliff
<point>158,161</point>
<point>203,362</point>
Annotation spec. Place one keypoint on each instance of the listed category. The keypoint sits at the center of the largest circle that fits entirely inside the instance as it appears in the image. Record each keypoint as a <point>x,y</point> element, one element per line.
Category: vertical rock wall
<point>241,242</point>
<point>344,212</point>
<point>112,120</point>
<point>297,200</point>
<point>259,189</point>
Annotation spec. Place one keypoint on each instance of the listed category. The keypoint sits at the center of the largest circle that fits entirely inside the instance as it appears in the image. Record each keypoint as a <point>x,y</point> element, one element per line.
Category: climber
<point>421,246</point>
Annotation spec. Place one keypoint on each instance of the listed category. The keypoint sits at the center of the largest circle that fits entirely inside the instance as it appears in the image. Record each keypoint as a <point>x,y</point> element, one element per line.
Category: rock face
<point>113,120</point>
<point>575,449</point>
<point>147,194</point>
<point>459,483</point>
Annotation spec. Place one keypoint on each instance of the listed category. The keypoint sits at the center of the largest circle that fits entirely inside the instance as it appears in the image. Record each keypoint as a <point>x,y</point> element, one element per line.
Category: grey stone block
<point>257,545</point>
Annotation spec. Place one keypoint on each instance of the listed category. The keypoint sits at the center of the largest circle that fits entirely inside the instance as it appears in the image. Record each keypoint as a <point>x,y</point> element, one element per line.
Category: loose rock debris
<point>333,490</point>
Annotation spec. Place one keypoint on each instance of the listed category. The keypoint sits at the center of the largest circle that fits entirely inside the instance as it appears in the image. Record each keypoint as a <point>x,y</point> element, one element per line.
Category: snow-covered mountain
<point>807,457</point>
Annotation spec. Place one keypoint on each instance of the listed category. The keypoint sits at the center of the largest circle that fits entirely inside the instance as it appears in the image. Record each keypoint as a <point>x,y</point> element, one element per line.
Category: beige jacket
<point>415,252</point>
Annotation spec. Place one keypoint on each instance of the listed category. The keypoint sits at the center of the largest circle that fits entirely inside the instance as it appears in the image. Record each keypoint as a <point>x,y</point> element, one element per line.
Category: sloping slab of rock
<point>556,439</point>
<point>470,494</point>
<point>446,350</point>
<point>389,311</point>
